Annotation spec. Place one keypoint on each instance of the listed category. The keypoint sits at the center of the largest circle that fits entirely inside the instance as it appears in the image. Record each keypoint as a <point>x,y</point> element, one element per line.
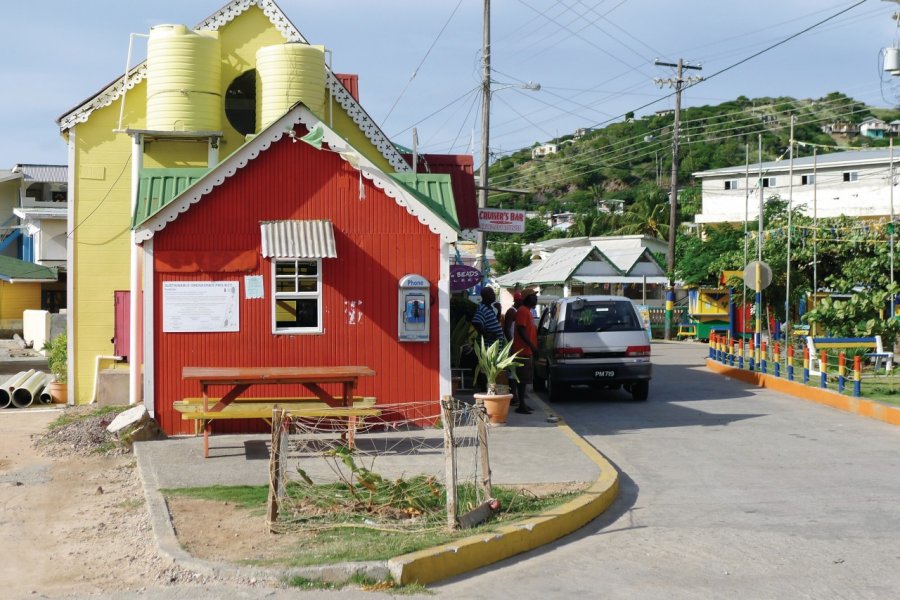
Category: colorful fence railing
<point>767,359</point>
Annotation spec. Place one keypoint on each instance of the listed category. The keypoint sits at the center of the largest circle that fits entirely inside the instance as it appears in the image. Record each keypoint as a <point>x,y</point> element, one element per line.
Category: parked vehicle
<point>592,340</point>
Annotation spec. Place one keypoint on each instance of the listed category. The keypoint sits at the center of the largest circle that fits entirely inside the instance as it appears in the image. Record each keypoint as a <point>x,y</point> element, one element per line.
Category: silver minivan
<point>592,340</point>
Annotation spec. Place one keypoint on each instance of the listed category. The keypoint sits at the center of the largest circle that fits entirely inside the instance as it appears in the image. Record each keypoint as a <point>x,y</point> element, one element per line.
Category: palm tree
<point>646,217</point>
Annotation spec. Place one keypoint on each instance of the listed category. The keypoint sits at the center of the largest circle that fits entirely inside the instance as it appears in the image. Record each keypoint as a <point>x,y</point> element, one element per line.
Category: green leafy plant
<point>58,358</point>
<point>493,360</point>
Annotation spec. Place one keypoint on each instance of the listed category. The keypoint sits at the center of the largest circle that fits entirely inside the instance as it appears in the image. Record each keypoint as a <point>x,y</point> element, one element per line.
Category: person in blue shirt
<point>487,325</point>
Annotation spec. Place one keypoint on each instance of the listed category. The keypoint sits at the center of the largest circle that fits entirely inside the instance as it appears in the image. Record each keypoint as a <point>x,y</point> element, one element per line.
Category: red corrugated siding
<point>377,243</point>
<point>461,169</point>
<point>351,82</point>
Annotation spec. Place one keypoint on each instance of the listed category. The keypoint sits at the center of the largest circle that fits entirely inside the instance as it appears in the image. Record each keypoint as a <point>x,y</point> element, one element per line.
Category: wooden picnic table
<point>243,378</point>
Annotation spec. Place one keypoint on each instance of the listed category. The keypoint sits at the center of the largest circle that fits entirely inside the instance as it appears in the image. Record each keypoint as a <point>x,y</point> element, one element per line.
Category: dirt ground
<point>75,523</point>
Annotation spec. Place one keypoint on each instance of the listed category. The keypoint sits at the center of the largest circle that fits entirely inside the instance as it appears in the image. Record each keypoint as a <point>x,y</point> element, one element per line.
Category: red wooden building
<point>289,255</point>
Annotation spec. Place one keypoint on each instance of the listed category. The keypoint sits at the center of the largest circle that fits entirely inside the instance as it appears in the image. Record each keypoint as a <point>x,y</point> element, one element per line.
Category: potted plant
<point>494,361</point>
<point>58,363</point>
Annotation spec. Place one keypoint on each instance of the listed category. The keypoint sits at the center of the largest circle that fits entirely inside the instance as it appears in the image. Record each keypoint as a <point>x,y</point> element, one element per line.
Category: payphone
<point>415,309</point>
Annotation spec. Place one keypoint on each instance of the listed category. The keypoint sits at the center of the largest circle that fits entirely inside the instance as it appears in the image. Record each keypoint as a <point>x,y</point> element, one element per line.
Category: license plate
<point>604,374</point>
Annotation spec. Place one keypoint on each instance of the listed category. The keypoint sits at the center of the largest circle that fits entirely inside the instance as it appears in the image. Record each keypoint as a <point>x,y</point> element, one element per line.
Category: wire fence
<point>379,472</point>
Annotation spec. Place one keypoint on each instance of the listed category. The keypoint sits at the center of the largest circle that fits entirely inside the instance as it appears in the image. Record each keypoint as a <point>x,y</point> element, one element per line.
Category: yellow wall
<point>101,248</point>
<point>15,298</point>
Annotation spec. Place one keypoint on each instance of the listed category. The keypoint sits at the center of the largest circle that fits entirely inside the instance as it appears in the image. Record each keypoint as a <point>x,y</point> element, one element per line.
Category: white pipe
<point>101,357</point>
<point>71,347</point>
<point>134,370</point>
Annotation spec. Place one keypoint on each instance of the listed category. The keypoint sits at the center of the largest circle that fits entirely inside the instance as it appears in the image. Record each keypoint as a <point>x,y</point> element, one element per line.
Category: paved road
<point>730,492</point>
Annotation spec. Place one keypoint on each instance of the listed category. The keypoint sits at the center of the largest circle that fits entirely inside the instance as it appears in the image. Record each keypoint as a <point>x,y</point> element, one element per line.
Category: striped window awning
<point>298,239</point>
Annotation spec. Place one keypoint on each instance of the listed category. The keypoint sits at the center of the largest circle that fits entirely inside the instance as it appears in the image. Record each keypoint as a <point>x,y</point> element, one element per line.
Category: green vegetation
<point>349,539</point>
<point>68,417</point>
<point>57,357</point>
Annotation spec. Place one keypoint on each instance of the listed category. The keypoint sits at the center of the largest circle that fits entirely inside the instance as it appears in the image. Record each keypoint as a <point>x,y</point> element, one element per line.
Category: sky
<point>419,62</point>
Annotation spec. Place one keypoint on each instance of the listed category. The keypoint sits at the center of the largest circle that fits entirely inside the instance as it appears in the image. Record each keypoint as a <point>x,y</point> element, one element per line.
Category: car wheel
<point>555,391</point>
<point>640,390</point>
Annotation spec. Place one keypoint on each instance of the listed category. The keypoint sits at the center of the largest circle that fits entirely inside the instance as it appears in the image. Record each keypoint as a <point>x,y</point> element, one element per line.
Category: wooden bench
<point>192,409</point>
<point>877,353</point>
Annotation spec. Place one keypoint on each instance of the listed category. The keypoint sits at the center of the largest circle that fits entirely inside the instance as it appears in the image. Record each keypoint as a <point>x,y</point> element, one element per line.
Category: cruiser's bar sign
<point>501,220</point>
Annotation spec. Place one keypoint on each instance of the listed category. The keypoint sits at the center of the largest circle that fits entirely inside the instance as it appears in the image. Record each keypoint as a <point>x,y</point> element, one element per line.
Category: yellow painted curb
<point>859,406</point>
<point>461,556</point>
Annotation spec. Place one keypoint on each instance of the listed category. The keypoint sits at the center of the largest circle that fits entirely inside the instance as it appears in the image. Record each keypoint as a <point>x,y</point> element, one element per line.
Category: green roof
<point>434,191</point>
<point>13,269</point>
<point>159,187</point>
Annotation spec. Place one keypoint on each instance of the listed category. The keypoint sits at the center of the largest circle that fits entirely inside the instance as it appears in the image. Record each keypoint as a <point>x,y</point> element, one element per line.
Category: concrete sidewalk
<point>529,449</point>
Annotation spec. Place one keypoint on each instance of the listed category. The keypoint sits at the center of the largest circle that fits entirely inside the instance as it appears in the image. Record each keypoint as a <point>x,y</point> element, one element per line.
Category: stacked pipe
<point>23,388</point>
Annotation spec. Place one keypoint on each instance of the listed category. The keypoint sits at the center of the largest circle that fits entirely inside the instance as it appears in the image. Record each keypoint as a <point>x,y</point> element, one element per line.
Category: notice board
<point>200,306</point>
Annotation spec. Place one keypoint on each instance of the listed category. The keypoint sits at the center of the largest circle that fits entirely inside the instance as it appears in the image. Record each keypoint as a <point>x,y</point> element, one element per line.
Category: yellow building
<point>190,105</point>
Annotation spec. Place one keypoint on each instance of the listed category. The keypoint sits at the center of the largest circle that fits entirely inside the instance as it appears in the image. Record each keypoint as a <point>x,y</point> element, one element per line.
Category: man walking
<point>487,324</point>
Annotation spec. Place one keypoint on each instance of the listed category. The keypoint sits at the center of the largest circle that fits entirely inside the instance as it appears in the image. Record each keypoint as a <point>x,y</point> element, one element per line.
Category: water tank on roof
<point>287,74</point>
<point>184,87</point>
<point>892,60</point>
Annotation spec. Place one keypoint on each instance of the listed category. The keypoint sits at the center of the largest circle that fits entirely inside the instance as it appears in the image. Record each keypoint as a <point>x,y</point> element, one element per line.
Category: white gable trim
<point>219,19</point>
<point>273,133</point>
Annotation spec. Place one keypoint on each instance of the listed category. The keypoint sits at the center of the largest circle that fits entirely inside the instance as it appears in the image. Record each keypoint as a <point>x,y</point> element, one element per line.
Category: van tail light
<point>637,351</point>
<point>568,353</point>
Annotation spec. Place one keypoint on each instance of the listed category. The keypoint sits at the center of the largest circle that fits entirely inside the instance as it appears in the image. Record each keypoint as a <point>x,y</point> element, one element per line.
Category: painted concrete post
<point>823,364</point>
<point>712,345</point>
<point>790,363</point>
<point>857,375</point>
<point>741,355</point>
<point>762,361</point>
<point>805,364</point>
<point>752,354</point>
<point>732,352</point>
<point>777,357</point>
<point>842,358</point>
<point>670,308</point>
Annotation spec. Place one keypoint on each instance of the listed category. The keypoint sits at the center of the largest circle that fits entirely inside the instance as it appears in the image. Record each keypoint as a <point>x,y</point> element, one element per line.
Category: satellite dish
<point>765,275</point>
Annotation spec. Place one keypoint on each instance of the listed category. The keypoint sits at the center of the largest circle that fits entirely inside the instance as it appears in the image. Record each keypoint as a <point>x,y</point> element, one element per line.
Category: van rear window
<point>601,316</point>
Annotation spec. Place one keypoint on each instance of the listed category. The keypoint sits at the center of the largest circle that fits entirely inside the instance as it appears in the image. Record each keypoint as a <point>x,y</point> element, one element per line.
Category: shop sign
<point>462,277</point>
<point>501,220</point>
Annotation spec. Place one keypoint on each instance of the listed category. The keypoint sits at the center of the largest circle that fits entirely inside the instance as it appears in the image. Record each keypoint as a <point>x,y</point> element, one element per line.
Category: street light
<point>487,92</point>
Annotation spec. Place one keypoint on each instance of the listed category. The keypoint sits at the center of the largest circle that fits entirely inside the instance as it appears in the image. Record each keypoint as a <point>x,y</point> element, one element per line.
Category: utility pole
<point>485,131</point>
<point>677,83</point>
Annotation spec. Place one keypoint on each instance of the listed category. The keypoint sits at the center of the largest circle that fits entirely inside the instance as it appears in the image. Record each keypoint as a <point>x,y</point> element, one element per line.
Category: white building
<point>853,183</point>
<point>544,150</point>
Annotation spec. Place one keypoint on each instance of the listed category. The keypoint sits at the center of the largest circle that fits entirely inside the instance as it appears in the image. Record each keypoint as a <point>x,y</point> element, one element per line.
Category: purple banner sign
<point>462,277</point>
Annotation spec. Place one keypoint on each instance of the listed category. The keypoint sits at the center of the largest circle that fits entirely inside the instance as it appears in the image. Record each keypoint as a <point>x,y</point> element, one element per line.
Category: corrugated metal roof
<point>159,187</point>
<point>849,157</point>
<point>461,169</point>
<point>556,268</point>
<point>657,279</point>
<point>13,269</point>
<point>298,239</point>
<point>435,190</point>
<point>43,173</point>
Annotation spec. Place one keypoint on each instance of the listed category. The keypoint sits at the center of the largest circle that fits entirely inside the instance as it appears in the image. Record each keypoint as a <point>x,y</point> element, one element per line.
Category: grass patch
<point>347,539</point>
<point>71,416</point>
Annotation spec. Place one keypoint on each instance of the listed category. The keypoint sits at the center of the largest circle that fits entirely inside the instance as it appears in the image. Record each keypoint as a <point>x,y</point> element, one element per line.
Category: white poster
<point>200,306</point>
<point>253,287</point>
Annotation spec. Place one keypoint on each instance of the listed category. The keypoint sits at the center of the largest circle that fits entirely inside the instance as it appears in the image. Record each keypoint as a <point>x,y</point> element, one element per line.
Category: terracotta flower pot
<point>59,392</point>
<point>497,406</point>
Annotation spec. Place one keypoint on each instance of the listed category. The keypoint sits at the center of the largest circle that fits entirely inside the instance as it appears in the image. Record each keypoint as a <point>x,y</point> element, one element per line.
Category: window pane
<point>285,268</point>
<point>307,268</point>
<point>285,285</point>
<point>296,313</point>
<point>308,285</point>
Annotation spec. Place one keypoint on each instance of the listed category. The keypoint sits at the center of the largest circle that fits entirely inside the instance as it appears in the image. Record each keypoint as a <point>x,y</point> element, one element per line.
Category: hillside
<point>631,160</point>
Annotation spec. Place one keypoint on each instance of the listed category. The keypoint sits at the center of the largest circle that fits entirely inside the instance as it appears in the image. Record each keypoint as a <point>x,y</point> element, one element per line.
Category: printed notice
<point>253,287</point>
<point>200,306</point>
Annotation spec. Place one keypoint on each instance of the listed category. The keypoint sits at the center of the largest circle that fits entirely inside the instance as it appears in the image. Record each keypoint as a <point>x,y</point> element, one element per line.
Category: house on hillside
<point>544,150</point>
<point>874,128</point>
<point>853,183</point>
<point>218,188</point>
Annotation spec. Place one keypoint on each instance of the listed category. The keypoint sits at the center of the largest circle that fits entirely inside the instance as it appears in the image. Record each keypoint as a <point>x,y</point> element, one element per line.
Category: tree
<point>510,257</point>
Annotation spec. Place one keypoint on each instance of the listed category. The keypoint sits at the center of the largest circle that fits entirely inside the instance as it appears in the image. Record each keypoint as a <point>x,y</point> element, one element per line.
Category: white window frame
<point>807,179</point>
<point>850,176</point>
<point>317,295</point>
<point>768,182</point>
<point>731,184</point>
